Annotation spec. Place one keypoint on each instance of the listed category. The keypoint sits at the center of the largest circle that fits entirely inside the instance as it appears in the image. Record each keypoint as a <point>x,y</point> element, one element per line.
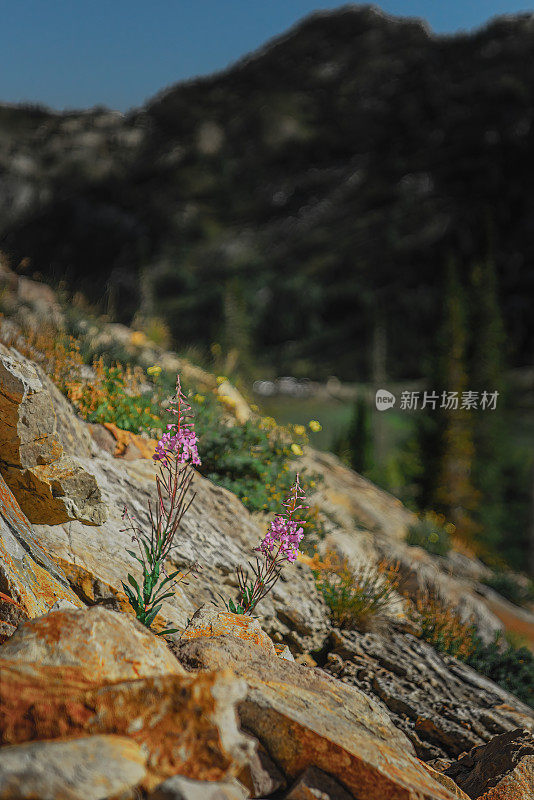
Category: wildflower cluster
<point>116,394</point>
<point>285,533</point>
<point>280,545</point>
<point>179,441</point>
<point>175,452</point>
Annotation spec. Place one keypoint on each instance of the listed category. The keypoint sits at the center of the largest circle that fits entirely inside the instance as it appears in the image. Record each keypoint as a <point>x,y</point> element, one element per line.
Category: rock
<point>56,493</point>
<point>355,501</point>
<point>303,718</point>
<point>283,651</point>
<point>502,769</point>
<point>420,571</point>
<point>6,630</point>
<point>90,768</point>
<point>366,524</point>
<point>441,704</point>
<point>50,485</point>
<point>180,788</point>
<point>33,301</point>
<point>209,622</point>
<point>517,620</point>
<point>185,724</point>
<point>261,776</point>
<point>121,443</point>
<point>106,645</point>
<point>314,784</point>
<point>306,660</point>
<point>233,398</point>
<point>62,605</point>
<point>28,429</point>
<point>103,438</point>
<point>217,531</point>
<point>445,781</point>
<point>31,581</point>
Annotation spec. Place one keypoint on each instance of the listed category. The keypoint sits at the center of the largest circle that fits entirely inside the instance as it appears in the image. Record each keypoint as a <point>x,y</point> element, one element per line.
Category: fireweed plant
<point>280,545</point>
<point>175,453</point>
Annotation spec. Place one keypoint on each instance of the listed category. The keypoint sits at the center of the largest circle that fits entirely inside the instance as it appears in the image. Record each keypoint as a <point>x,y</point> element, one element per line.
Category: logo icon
<point>384,400</point>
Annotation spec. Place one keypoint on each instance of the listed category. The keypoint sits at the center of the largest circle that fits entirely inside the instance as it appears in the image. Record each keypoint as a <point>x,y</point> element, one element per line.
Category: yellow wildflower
<point>297,449</point>
<point>154,370</point>
<point>300,430</point>
<point>137,338</point>
<point>315,425</point>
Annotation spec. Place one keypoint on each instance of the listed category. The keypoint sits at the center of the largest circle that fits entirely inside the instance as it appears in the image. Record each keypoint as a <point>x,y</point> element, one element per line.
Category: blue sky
<point>79,53</point>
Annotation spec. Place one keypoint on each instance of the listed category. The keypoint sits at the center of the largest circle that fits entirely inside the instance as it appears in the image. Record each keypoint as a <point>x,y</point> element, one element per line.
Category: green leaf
<point>170,577</point>
<point>134,602</point>
<point>128,591</point>
<point>159,597</point>
<point>134,583</point>
<point>151,616</point>
<point>168,630</point>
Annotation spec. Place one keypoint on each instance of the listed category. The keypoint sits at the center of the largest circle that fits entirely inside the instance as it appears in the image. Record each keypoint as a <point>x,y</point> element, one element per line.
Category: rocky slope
<point>222,710</point>
<point>338,166</point>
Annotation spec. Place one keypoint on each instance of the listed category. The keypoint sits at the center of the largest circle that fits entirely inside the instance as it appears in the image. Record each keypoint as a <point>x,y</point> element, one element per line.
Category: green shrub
<point>507,665</point>
<point>115,396</point>
<point>251,460</point>
<point>441,625</point>
<point>431,532</point>
<point>356,597</point>
<point>509,587</point>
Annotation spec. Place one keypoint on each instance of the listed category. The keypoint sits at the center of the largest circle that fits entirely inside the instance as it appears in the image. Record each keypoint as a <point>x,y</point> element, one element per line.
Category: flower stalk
<point>279,546</point>
<point>175,452</point>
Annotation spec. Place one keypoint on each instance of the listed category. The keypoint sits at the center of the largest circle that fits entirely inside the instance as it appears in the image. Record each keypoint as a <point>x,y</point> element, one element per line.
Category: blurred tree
<point>355,445</point>
<point>360,437</point>
<point>446,429</point>
<point>531,526</point>
<point>378,378</point>
<point>237,330</point>
<point>487,375</point>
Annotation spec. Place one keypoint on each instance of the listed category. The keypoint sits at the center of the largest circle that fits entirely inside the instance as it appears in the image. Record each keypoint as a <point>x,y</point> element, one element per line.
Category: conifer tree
<point>445,433</point>
<point>237,329</point>
<point>487,376</point>
<point>360,437</point>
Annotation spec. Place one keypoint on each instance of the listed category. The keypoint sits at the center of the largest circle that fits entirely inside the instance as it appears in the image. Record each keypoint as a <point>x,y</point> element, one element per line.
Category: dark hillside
<point>326,177</point>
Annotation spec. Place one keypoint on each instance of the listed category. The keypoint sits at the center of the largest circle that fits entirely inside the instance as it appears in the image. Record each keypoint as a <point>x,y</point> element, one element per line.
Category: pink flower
<point>180,438</point>
<point>285,533</point>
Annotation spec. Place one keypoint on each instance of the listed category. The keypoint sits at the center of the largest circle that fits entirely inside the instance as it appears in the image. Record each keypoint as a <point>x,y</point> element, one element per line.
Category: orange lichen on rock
<point>128,443</point>
<point>304,718</point>
<point>44,588</point>
<point>31,580</point>
<point>209,622</point>
<point>32,589</point>
<point>106,645</point>
<point>185,724</point>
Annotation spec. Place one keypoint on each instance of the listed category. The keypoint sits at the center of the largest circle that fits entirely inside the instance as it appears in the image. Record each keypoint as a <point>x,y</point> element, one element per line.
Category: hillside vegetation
<point>301,198</point>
